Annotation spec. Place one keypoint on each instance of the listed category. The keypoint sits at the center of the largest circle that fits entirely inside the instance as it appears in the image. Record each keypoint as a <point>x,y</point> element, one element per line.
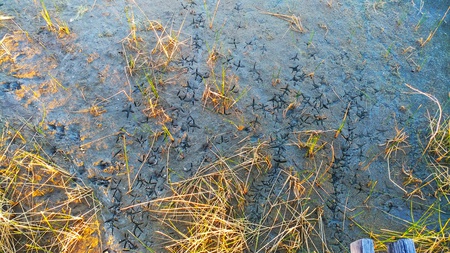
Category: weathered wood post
<point>402,246</point>
<point>366,246</point>
<point>362,246</point>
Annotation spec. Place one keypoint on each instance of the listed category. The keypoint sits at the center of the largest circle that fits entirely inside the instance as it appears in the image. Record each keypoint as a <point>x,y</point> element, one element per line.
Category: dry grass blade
<point>295,23</point>
<point>433,32</point>
<point>397,143</point>
<point>7,43</point>
<point>169,42</point>
<point>438,118</point>
<point>6,17</point>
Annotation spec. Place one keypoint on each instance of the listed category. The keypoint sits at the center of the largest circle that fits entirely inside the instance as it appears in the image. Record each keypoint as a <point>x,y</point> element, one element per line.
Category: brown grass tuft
<point>42,208</point>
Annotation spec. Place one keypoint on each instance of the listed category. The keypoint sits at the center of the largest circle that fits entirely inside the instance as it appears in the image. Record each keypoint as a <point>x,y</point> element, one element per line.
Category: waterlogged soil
<point>333,72</point>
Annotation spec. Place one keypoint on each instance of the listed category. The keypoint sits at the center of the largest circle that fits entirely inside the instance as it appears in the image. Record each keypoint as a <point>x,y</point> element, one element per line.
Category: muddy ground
<point>348,64</point>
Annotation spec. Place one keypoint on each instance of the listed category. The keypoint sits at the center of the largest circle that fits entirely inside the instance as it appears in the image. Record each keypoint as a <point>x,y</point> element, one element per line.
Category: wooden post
<point>362,246</point>
<point>402,246</point>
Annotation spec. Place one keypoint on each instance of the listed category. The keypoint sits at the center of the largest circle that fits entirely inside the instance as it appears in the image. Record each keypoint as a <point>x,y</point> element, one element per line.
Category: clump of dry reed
<point>209,212</point>
<point>42,208</point>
